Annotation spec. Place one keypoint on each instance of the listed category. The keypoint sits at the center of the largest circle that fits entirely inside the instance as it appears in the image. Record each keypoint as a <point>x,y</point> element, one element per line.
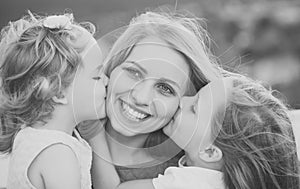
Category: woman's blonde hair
<point>37,62</point>
<point>257,140</point>
<point>183,34</point>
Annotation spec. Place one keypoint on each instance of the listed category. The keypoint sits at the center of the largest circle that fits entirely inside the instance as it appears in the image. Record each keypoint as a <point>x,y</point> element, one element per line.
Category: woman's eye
<point>166,89</point>
<point>96,78</point>
<point>134,72</point>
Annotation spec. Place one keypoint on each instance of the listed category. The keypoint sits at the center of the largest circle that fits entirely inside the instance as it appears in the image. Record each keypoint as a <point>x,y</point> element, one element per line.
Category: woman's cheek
<point>120,82</point>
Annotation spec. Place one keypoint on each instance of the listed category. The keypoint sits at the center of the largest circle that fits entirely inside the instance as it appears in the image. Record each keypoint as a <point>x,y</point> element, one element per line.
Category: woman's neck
<point>126,150</point>
<point>136,141</point>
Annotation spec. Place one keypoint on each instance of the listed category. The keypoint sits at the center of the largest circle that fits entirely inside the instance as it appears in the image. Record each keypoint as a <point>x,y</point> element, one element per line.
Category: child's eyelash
<point>193,109</point>
<point>96,78</point>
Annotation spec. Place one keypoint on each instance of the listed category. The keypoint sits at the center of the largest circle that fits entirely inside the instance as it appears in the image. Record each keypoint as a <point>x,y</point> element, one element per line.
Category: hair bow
<point>58,21</point>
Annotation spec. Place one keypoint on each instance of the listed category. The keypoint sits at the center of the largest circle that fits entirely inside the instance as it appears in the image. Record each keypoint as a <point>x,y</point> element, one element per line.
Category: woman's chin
<point>123,130</point>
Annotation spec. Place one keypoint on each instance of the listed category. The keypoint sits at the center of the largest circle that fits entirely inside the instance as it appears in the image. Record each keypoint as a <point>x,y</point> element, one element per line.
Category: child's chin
<point>101,115</point>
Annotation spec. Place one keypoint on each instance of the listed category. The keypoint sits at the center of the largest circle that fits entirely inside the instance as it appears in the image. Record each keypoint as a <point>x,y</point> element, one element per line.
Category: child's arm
<point>104,174</point>
<point>57,167</point>
<point>137,184</point>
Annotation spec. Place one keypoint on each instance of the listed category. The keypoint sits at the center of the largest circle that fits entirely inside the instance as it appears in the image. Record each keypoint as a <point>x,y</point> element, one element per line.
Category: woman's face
<point>144,91</point>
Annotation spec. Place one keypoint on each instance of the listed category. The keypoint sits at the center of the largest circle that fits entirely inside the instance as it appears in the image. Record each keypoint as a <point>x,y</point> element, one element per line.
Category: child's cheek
<point>102,90</point>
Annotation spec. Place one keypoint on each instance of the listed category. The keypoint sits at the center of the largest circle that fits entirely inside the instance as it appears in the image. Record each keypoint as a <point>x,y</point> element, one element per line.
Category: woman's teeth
<point>131,113</point>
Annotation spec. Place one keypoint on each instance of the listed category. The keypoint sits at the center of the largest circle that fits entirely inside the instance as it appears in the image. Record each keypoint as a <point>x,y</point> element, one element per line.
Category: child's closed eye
<point>96,78</point>
<point>193,109</point>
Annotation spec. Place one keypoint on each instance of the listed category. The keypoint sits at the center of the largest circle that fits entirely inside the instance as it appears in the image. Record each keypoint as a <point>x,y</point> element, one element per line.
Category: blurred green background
<point>260,38</point>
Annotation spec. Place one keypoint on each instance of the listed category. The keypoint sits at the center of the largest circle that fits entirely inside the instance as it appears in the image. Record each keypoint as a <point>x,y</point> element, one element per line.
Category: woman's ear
<point>60,100</point>
<point>211,154</point>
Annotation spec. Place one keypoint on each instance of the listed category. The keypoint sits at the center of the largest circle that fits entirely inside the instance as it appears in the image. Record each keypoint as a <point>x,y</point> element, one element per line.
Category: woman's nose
<point>142,93</point>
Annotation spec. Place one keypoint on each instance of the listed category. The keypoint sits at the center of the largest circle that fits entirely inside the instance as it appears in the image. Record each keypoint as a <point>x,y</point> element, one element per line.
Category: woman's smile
<point>133,113</point>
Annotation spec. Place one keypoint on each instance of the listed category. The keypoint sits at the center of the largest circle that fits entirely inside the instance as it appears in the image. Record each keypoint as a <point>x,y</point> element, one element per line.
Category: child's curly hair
<point>257,140</point>
<point>37,63</point>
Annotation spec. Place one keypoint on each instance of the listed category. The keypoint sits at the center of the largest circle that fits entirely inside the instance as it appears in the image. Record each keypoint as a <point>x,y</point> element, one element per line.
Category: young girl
<point>49,82</point>
<point>235,134</point>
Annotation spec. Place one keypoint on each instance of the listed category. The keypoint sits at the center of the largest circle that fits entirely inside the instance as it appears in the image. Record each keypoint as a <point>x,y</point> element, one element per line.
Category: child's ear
<point>60,100</point>
<point>211,154</point>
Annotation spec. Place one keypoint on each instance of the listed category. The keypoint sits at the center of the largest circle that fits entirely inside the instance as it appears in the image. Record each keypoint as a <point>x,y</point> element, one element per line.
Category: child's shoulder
<point>39,139</point>
<point>48,153</point>
<point>30,137</point>
<point>54,163</point>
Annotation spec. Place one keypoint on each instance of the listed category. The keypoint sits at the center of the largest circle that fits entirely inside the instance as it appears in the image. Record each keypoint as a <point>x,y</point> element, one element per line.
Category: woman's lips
<point>133,113</point>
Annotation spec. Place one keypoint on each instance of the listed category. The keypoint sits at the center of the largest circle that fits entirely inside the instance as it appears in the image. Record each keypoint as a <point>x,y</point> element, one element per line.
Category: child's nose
<point>187,101</point>
<point>104,79</point>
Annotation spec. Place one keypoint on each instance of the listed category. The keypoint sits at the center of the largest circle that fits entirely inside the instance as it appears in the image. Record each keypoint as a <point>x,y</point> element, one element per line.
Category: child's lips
<point>177,113</point>
<point>171,128</point>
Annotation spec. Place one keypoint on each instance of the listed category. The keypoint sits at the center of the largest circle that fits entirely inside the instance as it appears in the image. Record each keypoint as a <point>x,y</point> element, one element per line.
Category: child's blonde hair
<point>39,57</point>
<point>257,140</point>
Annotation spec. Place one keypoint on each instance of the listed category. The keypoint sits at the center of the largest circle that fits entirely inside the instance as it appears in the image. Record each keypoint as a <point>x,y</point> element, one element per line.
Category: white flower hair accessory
<point>58,21</point>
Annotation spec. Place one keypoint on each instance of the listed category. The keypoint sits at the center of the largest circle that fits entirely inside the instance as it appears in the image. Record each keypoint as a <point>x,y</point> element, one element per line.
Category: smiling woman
<point>144,91</point>
<point>159,58</point>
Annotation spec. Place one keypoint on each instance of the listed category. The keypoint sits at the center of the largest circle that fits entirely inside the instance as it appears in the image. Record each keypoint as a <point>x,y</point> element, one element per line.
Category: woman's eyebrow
<point>137,65</point>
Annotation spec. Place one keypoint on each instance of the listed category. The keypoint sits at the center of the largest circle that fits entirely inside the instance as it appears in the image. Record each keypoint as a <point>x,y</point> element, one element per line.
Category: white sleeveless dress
<point>30,142</point>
